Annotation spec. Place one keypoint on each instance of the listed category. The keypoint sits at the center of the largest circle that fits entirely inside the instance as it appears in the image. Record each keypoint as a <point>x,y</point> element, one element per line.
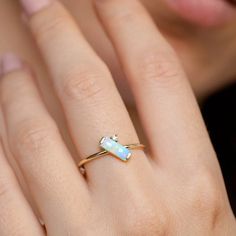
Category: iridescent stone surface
<point>115,148</point>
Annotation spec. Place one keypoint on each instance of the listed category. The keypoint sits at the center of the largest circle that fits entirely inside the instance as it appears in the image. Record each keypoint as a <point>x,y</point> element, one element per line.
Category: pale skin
<point>175,189</point>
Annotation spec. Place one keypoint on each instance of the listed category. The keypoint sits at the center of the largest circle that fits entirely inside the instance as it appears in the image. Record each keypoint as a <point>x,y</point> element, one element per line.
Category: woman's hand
<point>176,190</point>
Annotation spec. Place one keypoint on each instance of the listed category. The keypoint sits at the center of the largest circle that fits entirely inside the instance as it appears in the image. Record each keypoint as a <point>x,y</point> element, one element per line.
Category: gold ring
<point>110,145</point>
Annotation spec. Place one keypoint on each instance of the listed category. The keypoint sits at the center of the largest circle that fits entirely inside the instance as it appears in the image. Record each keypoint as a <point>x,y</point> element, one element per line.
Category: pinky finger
<point>16,216</point>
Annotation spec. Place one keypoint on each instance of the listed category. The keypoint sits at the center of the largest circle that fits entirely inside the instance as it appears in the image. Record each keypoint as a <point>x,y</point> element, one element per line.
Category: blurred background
<point>219,111</point>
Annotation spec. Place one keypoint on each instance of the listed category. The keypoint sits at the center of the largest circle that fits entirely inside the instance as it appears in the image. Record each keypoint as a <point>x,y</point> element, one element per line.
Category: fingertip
<point>10,62</point>
<point>32,6</point>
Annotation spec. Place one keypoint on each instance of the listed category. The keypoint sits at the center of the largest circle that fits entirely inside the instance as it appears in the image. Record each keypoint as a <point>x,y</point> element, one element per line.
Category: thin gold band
<point>104,153</point>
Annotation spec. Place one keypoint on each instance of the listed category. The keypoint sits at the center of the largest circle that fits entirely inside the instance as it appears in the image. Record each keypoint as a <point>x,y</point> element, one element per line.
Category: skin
<point>172,191</point>
<point>195,46</point>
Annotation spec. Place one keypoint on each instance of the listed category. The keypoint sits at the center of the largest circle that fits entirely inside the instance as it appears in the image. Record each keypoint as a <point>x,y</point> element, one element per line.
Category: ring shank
<point>104,153</point>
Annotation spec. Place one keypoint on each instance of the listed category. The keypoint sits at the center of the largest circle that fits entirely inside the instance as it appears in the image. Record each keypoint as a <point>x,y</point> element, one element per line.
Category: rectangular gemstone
<point>115,148</point>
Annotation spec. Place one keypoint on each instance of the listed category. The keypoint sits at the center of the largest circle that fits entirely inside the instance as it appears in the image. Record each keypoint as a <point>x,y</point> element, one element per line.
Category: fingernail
<point>10,62</point>
<point>32,6</point>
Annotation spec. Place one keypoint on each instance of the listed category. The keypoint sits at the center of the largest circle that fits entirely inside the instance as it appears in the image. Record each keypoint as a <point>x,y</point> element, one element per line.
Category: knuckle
<point>130,13</point>
<point>34,135</point>
<point>146,219</point>
<point>82,84</point>
<point>206,197</point>
<point>159,67</point>
<point>49,27</point>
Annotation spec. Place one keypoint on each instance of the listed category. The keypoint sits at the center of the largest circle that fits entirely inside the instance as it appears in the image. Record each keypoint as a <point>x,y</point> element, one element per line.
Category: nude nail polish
<point>10,62</point>
<point>32,6</point>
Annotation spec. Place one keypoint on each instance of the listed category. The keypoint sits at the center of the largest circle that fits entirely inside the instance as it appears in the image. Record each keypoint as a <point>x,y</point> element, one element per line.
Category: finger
<point>16,216</point>
<point>165,101</point>
<point>58,189</point>
<point>15,167</point>
<point>90,99</point>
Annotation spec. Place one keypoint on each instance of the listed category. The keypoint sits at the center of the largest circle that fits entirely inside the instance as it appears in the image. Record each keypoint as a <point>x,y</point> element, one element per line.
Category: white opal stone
<point>115,148</point>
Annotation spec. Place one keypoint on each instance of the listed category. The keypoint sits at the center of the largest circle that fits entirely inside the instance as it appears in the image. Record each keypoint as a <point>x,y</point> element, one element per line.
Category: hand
<point>175,190</point>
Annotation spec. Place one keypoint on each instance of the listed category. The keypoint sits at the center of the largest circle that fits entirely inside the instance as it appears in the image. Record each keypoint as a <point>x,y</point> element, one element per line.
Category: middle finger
<point>89,97</point>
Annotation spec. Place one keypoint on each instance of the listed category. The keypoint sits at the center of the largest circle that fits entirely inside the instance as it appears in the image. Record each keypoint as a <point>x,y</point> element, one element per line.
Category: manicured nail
<point>10,62</point>
<point>32,6</point>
